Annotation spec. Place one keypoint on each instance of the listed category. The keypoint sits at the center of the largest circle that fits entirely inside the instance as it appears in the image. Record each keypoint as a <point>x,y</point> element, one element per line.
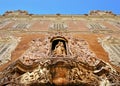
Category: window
<point>58,26</point>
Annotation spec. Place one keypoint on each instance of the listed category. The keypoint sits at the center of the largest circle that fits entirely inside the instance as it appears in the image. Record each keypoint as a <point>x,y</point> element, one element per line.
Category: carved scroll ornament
<point>80,67</point>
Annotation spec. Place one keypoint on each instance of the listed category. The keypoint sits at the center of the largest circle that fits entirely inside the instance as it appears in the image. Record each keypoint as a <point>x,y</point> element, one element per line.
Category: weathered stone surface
<point>112,46</point>
<point>59,50</point>
<point>101,13</point>
<point>7,45</point>
<point>15,13</point>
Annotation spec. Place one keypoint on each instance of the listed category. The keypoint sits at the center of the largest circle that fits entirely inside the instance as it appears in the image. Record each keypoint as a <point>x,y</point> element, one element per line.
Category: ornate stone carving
<point>21,26</point>
<point>58,26</point>
<point>98,28</point>
<point>5,22</point>
<point>80,49</point>
<point>58,57</point>
<point>7,45</point>
<point>115,23</point>
<point>39,48</point>
<point>62,71</point>
<point>80,66</point>
<point>40,75</point>
<point>112,46</point>
<point>59,49</point>
<point>15,13</point>
<point>101,13</point>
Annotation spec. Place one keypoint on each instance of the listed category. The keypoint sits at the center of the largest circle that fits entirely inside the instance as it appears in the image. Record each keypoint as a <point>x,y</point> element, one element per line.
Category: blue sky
<point>60,6</point>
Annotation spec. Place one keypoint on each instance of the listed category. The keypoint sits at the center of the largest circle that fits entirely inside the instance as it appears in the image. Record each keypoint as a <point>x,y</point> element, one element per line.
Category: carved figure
<point>59,49</point>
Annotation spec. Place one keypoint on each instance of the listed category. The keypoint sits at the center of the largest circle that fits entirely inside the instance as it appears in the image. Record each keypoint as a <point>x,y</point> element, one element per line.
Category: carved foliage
<point>80,67</point>
<point>80,49</point>
<point>38,49</point>
<point>63,71</point>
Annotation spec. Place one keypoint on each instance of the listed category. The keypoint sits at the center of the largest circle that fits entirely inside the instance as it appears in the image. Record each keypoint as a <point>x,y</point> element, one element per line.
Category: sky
<point>59,6</point>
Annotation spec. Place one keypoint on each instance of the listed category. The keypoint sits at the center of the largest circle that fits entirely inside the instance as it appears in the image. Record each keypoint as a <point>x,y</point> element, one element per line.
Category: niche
<point>59,46</point>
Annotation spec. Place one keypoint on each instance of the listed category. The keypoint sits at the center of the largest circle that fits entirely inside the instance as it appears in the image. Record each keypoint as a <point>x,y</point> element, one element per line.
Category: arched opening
<point>58,46</point>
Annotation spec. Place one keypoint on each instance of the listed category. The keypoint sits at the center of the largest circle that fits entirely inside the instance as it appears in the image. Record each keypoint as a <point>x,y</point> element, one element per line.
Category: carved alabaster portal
<point>79,67</point>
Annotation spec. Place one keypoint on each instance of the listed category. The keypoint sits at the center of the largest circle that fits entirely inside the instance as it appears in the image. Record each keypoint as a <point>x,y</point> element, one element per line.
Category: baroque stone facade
<point>59,50</point>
